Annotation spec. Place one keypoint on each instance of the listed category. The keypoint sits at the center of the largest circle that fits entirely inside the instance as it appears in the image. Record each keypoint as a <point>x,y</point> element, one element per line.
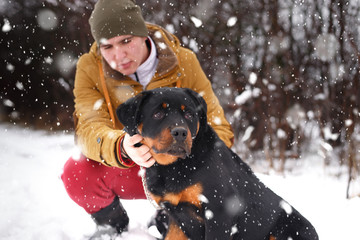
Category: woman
<point>128,56</point>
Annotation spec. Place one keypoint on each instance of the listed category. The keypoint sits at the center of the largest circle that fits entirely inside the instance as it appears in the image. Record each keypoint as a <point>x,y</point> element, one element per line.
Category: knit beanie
<point>112,18</point>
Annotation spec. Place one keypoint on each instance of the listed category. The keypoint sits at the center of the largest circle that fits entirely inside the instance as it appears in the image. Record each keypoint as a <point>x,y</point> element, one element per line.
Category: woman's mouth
<point>120,66</point>
<point>125,65</point>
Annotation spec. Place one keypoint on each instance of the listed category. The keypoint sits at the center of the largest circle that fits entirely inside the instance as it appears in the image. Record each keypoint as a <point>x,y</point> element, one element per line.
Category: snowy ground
<point>34,204</point>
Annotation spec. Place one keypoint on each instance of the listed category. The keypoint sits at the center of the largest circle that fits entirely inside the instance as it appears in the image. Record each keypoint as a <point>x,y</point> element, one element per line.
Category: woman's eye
<point>105,47</point>
<point>127,40</point>
<point>158,115</point>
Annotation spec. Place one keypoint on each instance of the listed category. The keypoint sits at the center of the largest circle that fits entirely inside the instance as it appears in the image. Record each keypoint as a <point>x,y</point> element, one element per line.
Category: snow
<point>8,103</point>
<point>246,95</point>
<point>6,27</point>
<point>47,19</point>
<point>243,97</point>
<point>326,46</point>
<point>328,135</point>
<point>34,203</point>
<point>35,206</point>
<point>10,67</point>
<point>197,22</point>
<point>247,133</point>
<point>19,85</point>
<point>281,134</point>
<point>65,61</point>
<point>231,21</point>
<point>253,78</point>
<point>98,104</point>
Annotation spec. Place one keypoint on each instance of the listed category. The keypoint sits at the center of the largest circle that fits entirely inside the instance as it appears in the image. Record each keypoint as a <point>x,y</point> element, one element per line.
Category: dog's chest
<point>169,184</point>
<point>190,195</point>
<point>163,179</point>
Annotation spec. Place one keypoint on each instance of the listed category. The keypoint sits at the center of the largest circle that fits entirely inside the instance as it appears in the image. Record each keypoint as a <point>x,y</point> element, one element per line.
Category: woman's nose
<point>120,53</point>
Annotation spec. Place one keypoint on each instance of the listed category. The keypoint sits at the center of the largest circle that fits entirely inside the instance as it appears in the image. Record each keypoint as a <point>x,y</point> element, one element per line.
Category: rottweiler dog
<point>207,191</point>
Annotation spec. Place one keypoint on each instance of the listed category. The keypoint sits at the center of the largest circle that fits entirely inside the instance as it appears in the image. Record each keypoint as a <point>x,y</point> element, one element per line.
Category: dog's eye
<point>188,115</point>
<point>158,115</point>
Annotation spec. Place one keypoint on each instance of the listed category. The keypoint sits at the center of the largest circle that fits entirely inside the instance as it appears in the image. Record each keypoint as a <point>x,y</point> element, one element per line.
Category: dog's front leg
<point>186,217</point>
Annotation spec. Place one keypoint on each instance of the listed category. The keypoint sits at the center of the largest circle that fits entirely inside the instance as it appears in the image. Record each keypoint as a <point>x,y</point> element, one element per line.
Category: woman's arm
<point>196,79</point>
<point>94,131</point>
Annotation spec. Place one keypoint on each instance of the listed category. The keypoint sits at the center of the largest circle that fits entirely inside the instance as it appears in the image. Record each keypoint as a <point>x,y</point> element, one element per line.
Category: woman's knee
<point>84,184</point>
<point>77,171</point>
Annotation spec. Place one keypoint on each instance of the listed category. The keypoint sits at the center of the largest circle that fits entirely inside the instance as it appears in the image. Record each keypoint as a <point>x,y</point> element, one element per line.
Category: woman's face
<point>124,53</point>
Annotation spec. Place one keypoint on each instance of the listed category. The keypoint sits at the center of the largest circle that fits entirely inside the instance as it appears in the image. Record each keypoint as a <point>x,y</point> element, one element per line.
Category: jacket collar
<point>166,45</point>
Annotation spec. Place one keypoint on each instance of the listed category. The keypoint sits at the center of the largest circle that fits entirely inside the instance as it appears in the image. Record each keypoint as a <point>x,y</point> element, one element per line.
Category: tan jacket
<point>96,134</point>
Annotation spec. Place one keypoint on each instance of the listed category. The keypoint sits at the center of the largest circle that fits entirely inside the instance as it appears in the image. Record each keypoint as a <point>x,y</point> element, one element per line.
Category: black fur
<point>235,204</point>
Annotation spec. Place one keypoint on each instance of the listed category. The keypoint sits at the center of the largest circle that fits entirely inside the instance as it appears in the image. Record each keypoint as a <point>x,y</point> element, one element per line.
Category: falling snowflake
<point>348,122</point>
<point>10,67</point>
<point>157,34</point>
<point>232,21</point>
<point>286,206</point>
<point>47,19</point>
<point>234,230</point>
<point>6,27</point>
<point>252,78</point>
<point>247,133</point>
<point>8,103</point>
<point>243,97</point>
<point>197,22</point>
<point>326,46</point>
<point>233,205</point>
<point>98,104</point>
<point>281,133</point>
<point>162,45</point>
<point>19,85</point>
<point>48,60</point>
<point>209,214</point>
<point>217,121</point>
<point>65,61</point>
<point>203,199</point>
<point>28,61</point>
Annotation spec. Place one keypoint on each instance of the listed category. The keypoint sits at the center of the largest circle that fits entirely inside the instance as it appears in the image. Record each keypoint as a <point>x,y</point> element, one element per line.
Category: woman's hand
<point>140,155</point>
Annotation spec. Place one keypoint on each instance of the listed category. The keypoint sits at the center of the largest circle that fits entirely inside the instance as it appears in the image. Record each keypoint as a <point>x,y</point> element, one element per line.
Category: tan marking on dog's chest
<point>189,194</point>
<point>175,233</point>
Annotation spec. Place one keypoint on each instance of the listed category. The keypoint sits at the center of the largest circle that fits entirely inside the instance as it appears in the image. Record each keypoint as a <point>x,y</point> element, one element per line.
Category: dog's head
<point>168,119</point>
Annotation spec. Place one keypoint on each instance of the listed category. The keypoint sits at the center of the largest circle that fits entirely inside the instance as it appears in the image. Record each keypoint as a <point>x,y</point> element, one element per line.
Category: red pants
<point>94,186</point>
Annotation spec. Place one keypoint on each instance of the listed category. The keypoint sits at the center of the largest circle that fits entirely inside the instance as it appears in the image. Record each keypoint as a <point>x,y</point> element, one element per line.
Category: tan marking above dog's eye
<point>165,105</point>
<point>182,107</point>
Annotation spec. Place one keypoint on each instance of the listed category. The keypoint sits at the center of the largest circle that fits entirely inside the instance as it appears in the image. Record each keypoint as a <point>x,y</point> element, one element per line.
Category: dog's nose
<point>179,134</point>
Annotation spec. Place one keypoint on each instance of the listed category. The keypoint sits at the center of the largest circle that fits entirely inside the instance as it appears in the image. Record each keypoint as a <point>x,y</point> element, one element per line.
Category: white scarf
<point>147,69</point>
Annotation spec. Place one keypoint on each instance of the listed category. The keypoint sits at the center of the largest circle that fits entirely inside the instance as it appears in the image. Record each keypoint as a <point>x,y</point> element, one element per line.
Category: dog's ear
<point>201,108</point>
<point>128,113</point>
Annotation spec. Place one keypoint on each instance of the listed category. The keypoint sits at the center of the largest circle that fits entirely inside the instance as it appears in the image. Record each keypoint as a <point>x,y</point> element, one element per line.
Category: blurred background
<point>285,71</point>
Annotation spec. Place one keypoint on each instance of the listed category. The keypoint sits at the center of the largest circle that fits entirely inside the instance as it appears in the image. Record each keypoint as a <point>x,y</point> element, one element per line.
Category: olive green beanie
<point>111,18</point>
